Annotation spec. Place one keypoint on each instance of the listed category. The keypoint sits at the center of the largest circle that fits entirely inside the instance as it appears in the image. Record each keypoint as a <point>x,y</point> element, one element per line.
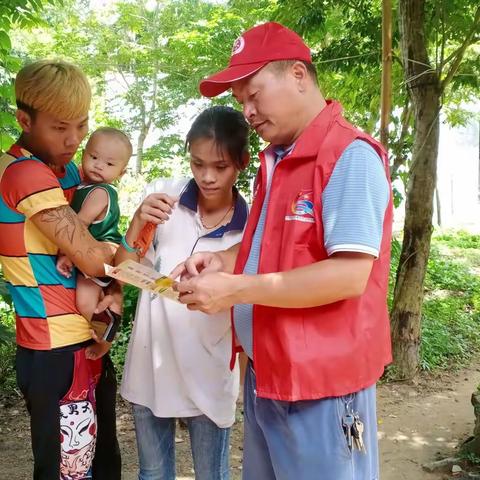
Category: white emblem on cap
<point>238,45</point>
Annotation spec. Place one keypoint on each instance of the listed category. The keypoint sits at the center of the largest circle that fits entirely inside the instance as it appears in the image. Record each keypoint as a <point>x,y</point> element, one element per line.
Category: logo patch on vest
<point>302,208</point>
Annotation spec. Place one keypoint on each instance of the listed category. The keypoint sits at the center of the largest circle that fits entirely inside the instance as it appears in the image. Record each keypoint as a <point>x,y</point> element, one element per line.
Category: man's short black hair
<point>282,65</point>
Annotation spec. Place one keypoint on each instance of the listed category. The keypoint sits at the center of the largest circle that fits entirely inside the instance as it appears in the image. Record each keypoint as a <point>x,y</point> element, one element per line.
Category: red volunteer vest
<point>331,350</point>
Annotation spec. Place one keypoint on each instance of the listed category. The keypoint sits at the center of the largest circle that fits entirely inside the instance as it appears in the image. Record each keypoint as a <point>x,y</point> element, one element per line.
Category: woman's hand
<point>156,208</point>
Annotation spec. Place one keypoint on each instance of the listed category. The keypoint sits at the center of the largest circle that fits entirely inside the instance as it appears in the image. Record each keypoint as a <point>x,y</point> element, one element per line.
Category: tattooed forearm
<point>63,227</point>
<point>77,256</point>
<point>103,251</point>
<point>65,221</point>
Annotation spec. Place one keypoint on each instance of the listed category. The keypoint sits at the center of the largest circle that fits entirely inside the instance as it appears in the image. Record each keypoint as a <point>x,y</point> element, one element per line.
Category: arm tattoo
<point>68,226</point>
<point>102,252</point>
<point>65,221</point>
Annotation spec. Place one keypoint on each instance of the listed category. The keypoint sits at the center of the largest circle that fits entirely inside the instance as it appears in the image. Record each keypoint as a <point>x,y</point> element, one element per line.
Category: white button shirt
<point>177,362</point>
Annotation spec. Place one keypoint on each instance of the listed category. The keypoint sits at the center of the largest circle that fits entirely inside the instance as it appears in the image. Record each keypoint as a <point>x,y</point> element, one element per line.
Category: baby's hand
<point>64,266</point>
<point>97,350</point>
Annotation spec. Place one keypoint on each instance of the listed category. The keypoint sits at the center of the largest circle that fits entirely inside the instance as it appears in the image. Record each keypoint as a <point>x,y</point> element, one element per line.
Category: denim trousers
<point>156,446</point>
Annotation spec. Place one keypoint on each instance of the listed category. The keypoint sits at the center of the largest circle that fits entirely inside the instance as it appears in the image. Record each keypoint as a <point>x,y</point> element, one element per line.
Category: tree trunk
<point>424,90</point>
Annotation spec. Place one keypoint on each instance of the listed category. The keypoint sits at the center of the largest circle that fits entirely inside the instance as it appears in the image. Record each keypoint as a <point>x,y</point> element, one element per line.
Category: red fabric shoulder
<point>26,177</point>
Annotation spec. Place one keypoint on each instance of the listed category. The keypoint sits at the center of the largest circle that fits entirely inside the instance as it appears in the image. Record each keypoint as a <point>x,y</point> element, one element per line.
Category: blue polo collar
<point>189,199</point>
<point>281,151</point>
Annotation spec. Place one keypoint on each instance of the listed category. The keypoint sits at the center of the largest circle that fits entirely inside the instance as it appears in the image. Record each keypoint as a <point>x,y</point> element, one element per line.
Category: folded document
<point>143,277</point>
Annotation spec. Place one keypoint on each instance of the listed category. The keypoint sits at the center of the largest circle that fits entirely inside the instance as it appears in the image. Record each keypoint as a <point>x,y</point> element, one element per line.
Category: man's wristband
<point>127,247</point>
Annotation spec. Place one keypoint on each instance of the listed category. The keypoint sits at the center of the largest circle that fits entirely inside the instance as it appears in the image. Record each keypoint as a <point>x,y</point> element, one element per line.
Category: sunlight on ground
<point>414,440</point>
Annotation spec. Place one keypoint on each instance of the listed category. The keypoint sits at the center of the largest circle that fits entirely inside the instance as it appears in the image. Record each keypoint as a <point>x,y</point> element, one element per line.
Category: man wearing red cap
<point>308,282</point>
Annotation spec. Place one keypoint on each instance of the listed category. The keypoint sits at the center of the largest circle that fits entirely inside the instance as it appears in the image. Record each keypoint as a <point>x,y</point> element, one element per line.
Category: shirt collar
<point>309,141</point>
<point>282,151</point>
<point>189,199</point>
<point>21,153</point>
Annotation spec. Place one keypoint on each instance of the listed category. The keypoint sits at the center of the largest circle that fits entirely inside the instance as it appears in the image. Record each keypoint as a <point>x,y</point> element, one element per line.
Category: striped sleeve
<point>354,202</point>
<point>29,187</point>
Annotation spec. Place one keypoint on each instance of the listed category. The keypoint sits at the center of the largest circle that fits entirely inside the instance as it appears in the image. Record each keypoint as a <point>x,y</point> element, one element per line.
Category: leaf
<point>6,334</point>
<point>5,143</point>
<point>5,43</point>
<point>7,120</point>
<point>4,293</point>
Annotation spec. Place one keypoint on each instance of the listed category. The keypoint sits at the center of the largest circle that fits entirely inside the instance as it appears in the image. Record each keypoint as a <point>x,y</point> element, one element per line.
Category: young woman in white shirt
<point>177,364</point>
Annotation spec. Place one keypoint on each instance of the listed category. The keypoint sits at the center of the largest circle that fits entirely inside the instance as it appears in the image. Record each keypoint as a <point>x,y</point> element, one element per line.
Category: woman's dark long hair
<point>227,128</point>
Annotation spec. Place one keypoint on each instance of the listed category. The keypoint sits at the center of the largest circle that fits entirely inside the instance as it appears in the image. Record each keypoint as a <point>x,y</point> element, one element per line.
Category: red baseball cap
<point>252,51</point>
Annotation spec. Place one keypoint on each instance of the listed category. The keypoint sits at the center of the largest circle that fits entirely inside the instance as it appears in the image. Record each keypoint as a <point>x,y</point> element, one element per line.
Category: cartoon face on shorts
<point>77,435</point>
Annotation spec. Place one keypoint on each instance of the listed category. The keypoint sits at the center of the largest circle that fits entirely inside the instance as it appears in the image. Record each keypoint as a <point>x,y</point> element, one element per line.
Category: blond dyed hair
<point>55,87</point>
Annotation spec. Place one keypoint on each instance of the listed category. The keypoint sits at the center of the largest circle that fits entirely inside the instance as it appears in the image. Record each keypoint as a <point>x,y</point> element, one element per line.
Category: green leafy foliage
<point>119,347</point>
<point>7,338</point>
<point>20,14</point>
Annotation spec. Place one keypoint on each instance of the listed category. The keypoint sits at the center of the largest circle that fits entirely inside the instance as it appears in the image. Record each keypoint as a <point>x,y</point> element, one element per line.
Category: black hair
<point>27,108</point>
<point>282,65</point>
<point>227,128</point>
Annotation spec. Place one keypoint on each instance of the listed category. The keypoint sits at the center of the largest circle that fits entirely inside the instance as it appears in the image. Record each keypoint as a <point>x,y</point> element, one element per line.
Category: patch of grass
<point>451,310</point>
<point>460,239</point>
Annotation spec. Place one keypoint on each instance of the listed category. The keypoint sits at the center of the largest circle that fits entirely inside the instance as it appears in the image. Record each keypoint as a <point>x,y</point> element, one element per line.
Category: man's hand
<point>198,263</point>
<point>210,292</point>
<point>343,275</point>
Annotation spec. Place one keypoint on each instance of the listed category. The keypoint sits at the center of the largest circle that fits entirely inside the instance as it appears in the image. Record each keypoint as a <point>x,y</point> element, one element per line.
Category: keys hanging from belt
<point>353,428</point>
<point>357,434</point>
<point>348,421</point>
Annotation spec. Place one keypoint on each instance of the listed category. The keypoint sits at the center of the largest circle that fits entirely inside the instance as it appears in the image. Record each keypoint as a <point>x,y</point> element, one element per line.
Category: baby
<point>104,160</point>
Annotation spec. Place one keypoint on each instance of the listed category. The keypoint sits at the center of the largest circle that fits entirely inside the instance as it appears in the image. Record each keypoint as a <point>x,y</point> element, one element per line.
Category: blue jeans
<point>305,440</point>
<point>156,446</point>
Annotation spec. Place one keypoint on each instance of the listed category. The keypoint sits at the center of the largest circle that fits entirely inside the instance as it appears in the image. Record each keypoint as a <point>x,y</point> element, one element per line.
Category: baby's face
<point>104,159</point>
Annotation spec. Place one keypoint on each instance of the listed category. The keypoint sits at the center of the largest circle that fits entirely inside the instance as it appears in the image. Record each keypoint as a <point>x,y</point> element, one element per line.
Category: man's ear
<point>300,73</point>
<point>24,120</point>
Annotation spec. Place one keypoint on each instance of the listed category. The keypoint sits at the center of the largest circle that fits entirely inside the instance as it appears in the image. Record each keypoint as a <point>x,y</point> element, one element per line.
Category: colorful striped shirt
<point>44,300</point>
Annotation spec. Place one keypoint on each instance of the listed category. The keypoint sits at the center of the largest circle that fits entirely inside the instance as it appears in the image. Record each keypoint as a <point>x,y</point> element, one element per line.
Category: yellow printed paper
<point>143,277</point>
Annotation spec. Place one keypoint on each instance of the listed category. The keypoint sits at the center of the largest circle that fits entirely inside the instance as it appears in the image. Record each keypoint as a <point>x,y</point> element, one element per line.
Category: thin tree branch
<point>444,40</point>
<point>461,52</point>
<point>405,121</point>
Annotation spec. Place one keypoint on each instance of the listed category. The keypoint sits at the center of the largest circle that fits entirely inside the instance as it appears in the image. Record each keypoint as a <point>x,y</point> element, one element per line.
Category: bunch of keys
<point>353,428</point>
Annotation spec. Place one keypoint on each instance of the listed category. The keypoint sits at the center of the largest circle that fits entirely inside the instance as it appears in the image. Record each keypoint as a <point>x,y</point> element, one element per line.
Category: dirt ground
<point>418,423</point>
